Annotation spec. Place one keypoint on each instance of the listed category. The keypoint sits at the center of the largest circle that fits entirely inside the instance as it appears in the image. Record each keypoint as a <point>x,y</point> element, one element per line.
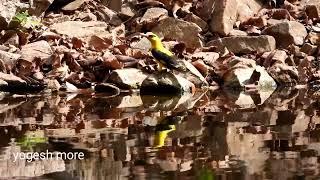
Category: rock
<point>308,48</point>
<point>126,12</point>
<point>279,56</point>
<point>152,15</point>
<point>179,30</point>
<point>38,7</point>
<point>271,22</point>
<point>109,16</point>
<point>9,58</point>
<point>166,83</point>
<point>39,49</point>
<point>204,9</point>
<point>107,88</point>
<point>243,72</point>
<point>197,20</point>
<point>247,9</point>
<point>3,83</point>
<point>287,33</point>
<point>193,75</point>
<point>245,44</point>
<point>82,30</point>
<point>69,87</point>
<point>313,9</point>
<point>130,101</point>
<point>284,74</point>
<point>73,5</point>
<point>143,44</point>
<point>207,57</point>
<point>8,9</point>
<point>201,67</point>
<point>113,4</point>
<point>306,70</point>
<point>224,16</point>
<point>236,32</point>
<point>129,78</point>
<point>314,38</point>
<point>53,84</point>
<point>12,83</point>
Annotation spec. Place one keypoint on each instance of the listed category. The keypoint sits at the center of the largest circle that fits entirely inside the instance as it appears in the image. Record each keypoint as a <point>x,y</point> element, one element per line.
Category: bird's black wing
<point>168,61</point>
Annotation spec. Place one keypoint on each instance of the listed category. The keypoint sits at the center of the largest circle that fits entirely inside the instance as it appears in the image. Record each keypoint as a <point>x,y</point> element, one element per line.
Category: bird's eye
<point>151,36</point>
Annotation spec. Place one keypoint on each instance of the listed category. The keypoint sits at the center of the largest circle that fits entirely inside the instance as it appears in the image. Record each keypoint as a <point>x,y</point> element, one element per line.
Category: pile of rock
<point>239,44</point>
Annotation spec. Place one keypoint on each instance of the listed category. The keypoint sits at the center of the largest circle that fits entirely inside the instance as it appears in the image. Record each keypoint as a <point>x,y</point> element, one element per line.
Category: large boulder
<point>129,78</point>
<point>224,16</point>
<point>245,44</point>
<point>244,72</point>
<point>179,30</point>
<point>166,83</point>
<point>287,33</point>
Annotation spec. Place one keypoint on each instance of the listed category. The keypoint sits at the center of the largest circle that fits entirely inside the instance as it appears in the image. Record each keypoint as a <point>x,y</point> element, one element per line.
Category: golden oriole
<point>163,56</point>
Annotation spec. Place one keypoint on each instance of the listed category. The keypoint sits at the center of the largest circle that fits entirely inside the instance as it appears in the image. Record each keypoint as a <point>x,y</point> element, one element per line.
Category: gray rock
<point>9,58</point>
<point>197,20</point>
<point>236,32</point>
<point>73,5</point>
<point>39,49</point>
<point>248,8</point>
<point>284,75</point>
<point>81,29</point>
<point>287,33</point>
<point>245,44</point>
<point>87,30</point>
<point>224,16</point>
<point>129,78</point>
<point>166,83</point>
<point>153,15</point>
<point>179,30</point>
<point>244,72</point>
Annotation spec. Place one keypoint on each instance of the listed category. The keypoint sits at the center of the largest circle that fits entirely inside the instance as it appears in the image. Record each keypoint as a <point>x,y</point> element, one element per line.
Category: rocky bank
<point>55,45</point>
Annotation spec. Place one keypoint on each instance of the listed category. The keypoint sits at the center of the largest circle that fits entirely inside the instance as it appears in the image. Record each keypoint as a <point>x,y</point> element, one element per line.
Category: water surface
<point>210,135</point>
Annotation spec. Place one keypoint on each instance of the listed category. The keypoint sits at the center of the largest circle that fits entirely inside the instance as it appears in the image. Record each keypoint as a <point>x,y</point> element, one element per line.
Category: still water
<point>205,136</point>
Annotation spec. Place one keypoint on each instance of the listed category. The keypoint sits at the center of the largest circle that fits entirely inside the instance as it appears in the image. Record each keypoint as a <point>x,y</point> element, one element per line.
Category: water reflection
<point>205,136</point>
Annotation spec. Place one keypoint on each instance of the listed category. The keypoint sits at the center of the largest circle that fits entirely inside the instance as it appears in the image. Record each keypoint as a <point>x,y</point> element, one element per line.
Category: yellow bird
<point>163,56</point>
<point>161,136</point>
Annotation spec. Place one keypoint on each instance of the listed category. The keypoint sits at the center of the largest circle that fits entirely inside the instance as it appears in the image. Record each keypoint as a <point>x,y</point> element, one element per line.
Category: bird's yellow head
<point>154,40</point>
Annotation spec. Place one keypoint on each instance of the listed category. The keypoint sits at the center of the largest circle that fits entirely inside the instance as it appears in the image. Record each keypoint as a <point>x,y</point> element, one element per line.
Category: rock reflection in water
<point>210,135</point>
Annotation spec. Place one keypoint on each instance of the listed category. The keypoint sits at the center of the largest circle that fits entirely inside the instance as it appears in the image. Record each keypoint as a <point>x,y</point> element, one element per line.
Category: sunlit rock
<point>244,72</point>
<point>129,78</point>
